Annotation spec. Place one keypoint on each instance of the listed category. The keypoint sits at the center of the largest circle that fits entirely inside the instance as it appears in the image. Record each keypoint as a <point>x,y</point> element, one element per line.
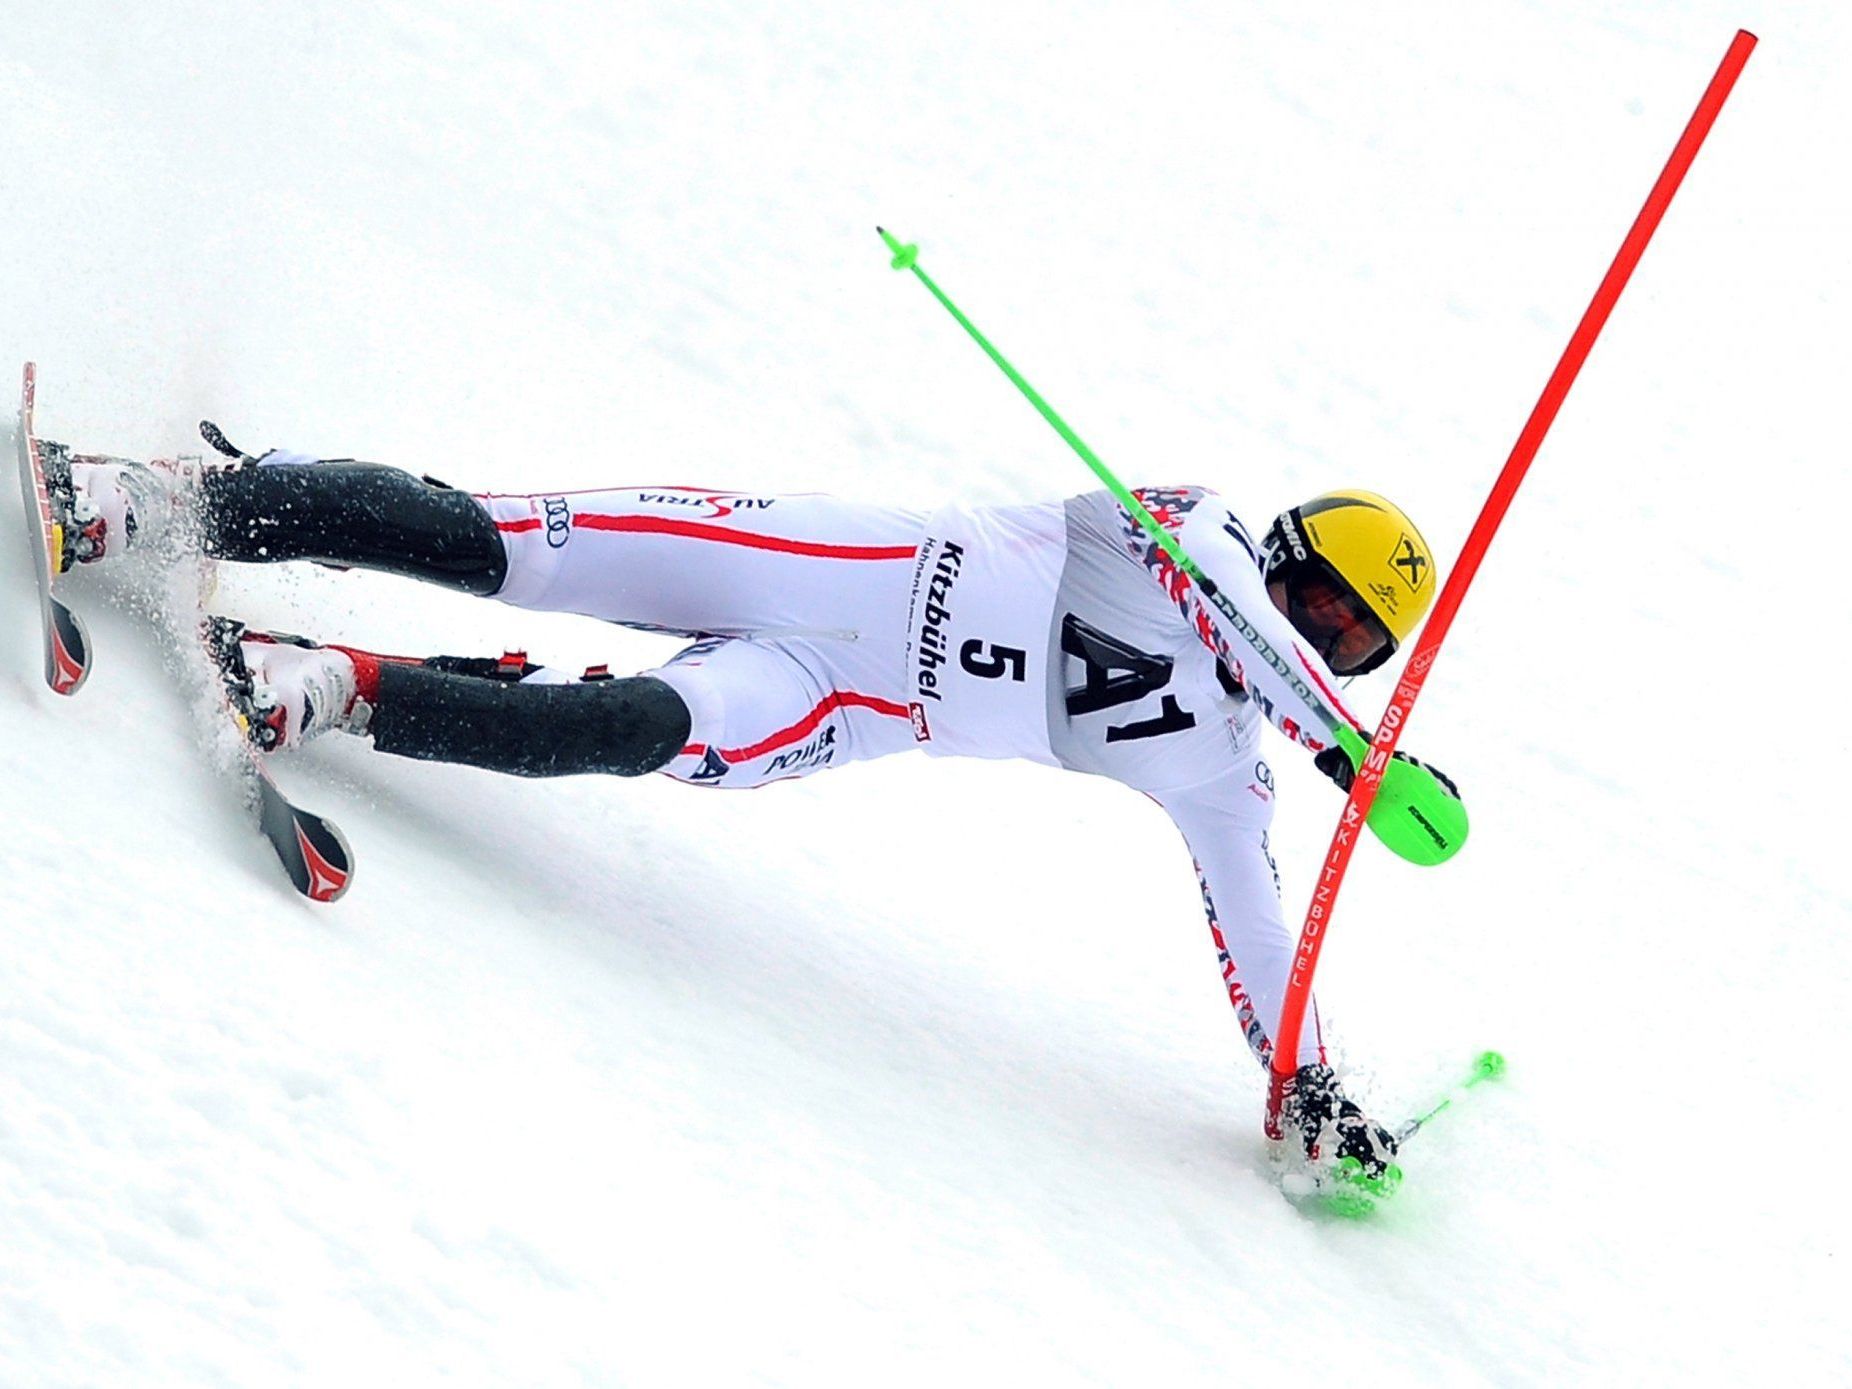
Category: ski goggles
<point>1335,622</point>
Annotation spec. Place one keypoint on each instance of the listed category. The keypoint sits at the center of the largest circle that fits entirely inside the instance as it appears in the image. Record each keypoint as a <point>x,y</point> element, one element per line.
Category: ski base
<point>66,642</point>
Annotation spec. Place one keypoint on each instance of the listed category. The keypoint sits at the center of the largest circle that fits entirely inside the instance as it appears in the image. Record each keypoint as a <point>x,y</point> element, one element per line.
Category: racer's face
<point>1333,620</point>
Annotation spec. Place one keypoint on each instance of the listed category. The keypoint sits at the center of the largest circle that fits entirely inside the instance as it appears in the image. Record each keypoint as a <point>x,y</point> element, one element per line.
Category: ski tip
<point>323,869</point>
<point>67,650</point>
<point>313,852</point>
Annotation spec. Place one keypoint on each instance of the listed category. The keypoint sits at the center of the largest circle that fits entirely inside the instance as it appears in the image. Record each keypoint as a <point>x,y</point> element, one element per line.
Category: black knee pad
<point>621,727</point>
<point>361,515</point>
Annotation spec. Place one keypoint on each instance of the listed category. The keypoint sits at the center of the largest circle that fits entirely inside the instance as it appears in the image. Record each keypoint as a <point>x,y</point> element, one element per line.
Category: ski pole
<point>1414,810</point>
<point>907,258</point>
<point>1421,661</point>
<point>1489,1065</point>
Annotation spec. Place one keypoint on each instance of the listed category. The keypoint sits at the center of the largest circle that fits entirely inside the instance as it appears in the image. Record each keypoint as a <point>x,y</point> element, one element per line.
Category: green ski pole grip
<point>1414,815</point>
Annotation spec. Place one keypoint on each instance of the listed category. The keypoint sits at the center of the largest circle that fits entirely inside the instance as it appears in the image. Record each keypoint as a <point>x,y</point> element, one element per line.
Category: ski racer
<point>827,632</point>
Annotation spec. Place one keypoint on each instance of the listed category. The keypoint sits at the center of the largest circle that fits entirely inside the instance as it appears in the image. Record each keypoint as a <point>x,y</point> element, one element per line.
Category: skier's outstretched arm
<point>1225,824</point>
<point>1228,837</point>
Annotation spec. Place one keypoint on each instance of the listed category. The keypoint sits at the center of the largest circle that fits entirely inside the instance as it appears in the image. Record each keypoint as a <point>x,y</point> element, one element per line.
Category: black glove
<point>1332,1127</point>
<point>1334,762</point>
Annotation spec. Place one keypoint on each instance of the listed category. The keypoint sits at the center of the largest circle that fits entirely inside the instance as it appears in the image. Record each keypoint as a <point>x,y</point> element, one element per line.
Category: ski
<point>313,851</point>
<point>66,642</point>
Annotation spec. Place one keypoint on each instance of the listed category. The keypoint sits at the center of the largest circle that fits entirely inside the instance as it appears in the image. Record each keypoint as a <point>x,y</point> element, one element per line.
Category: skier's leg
<point>706,563</point>
<point>734,714</point>
<point>821,583</point>
<point>362,515</point>
<point>445,710</point>
<point>725,713</point>
<point>730,714</point>
<point>686,560</point>
<point>504,715</point>
<point>767,711</point>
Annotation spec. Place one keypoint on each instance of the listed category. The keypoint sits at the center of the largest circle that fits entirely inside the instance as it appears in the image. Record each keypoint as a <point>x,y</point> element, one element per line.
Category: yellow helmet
<point>1384,574</point>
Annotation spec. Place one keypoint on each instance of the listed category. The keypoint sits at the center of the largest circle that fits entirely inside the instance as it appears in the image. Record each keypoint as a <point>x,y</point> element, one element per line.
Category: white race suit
<point>829,631</point>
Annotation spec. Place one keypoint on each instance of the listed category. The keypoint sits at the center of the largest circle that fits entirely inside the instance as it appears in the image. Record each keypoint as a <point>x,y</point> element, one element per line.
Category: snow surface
<point>922,1072</point>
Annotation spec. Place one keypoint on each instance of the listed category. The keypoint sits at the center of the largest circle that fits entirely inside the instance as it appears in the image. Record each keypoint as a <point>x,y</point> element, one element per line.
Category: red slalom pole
<point>1421,661</point>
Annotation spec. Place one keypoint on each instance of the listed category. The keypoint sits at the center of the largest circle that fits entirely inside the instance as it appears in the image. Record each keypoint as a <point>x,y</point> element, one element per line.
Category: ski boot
<point>80,529</point>
<point>1351,1155</point>
<point>285,690</point>
<point>104,507</point>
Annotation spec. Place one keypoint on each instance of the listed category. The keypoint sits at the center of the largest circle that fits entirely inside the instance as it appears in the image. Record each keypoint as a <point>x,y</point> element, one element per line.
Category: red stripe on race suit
<point>1331,695</point>
<point>698,530</point>
<point>803,728</point>
<point>715,493</point>
<point>695,530</point>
